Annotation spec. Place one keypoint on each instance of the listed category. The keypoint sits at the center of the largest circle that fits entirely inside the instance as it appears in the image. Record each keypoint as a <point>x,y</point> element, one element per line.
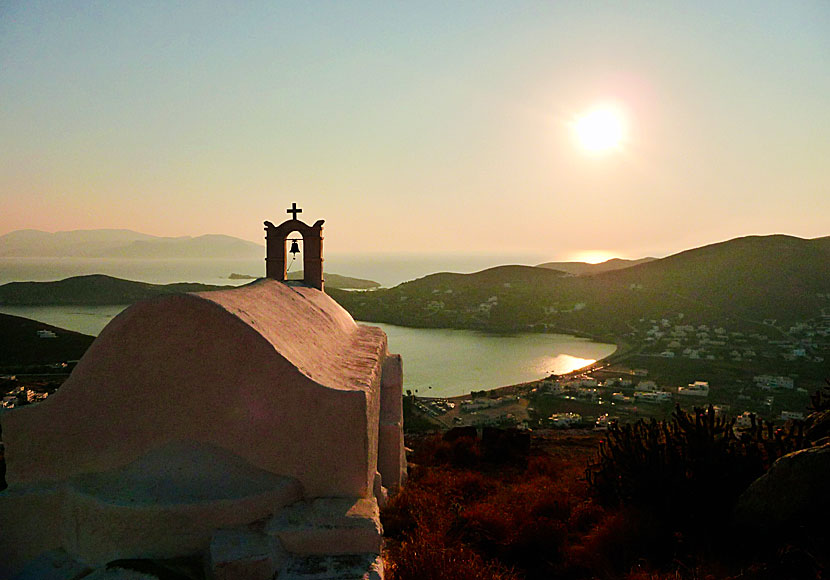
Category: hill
<point>95,289</point>
<point>207,246</point>
<point>99,289</point>
<point>755,277</point>
<point>123,244</point>
<point>588,269</point>
<point>338,281</point>
<point>740,282</point>
<point>20,344</point>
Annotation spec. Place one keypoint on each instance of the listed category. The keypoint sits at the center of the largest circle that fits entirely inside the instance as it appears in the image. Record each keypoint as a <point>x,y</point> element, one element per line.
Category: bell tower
<point>276,238</point>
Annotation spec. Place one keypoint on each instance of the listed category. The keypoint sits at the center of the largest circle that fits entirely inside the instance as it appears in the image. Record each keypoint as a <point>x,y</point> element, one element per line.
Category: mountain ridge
<point>123,243</point>
<point>101,289</point>
<point>744,281</point>
<point>589,269</point>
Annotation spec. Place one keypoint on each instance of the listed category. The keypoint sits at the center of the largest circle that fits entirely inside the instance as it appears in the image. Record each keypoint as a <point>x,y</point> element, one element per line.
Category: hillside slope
<point>95,289</point>
<point>99,289</point>
<point>21,345</point>
<point>740,281</point>
<point>588,269</point>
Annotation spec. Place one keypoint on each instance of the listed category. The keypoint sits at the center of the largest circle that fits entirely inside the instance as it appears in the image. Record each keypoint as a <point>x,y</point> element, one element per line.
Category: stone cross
<point>294,210</point>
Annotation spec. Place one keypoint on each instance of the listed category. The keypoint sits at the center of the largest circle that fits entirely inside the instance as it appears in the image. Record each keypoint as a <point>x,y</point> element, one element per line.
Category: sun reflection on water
<point>563,363</point>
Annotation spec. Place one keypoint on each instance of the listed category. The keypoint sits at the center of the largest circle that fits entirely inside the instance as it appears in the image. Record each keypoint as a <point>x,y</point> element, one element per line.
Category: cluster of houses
<point>803,341</point>
<point>645,391</point>
<point>474,405</point>
<point>19,396</point>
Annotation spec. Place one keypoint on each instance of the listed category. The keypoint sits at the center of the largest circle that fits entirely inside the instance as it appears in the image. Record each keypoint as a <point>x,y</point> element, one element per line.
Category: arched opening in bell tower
<point>280,241</point>
<point>294,255</point>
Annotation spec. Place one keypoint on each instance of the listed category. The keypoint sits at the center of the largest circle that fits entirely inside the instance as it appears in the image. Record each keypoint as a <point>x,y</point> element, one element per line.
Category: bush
<point>476,507</point>
<point>686,470</point>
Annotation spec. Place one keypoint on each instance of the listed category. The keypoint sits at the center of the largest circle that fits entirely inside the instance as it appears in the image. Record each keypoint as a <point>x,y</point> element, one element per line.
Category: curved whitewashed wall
<point>281,376</point>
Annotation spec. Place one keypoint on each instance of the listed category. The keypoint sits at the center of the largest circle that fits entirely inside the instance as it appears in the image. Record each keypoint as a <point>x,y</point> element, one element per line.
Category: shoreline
<point>514,388</point>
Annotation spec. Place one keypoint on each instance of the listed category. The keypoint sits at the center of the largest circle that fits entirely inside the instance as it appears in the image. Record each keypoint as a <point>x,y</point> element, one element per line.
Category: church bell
<point>295,248</point>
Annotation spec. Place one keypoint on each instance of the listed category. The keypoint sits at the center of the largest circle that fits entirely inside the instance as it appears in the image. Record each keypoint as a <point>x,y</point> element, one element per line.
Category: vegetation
<point>690,467</point>
<point>21,347</point>
<point>506,507</point>
<point>95,289</point>
<point>588,269</point>
<point>711,285</point>
<point>99,289</point>
<point>488,508</point>
<point>338,281</point>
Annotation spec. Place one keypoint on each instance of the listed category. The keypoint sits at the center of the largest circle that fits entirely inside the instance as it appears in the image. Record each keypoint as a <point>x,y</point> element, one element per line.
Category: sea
<point>437,362</point>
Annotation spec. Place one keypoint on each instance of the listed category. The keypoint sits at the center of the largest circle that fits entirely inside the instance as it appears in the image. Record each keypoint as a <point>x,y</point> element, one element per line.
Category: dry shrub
<point>464,452</point>
<point>585,516</point>
<point>426,557</point>
<point>504,518</point>
<point>621,540</point>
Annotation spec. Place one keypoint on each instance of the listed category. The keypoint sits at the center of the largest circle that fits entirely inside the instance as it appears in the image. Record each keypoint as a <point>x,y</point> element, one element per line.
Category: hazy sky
<point>419,126</point>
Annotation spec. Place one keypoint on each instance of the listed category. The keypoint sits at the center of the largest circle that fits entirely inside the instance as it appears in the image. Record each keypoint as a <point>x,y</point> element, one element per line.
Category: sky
<point>419,127</point>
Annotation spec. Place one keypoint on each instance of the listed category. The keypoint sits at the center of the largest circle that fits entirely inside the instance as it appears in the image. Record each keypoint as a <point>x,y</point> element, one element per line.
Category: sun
<point>593,256</point>
<point>600,129</point>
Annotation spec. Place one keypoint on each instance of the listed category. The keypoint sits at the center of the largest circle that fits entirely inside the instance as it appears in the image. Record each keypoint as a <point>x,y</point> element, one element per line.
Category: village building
<point>194,416</point>
<point>646,386</point>
<point>695,389</point>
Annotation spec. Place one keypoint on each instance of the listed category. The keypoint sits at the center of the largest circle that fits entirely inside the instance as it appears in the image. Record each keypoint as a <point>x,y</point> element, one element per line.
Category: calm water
<point>388,270</point>
<point>446,363</point>
<point>437,362</point>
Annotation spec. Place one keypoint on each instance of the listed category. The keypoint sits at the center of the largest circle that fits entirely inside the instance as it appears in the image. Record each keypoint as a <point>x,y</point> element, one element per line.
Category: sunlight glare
<point>562,364</point>
<point>592,256</point>
<point>600,129</point>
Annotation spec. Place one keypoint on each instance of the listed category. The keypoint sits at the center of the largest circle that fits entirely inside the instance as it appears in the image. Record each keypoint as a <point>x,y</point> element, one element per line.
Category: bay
<point>437,362</point>
<point>440,362</point>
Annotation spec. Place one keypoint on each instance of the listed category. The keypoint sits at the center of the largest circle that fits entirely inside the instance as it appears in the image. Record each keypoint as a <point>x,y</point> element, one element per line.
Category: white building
<point>564,420</point>
<point>646,386</point>
<point>653,397</point>
<point>768,382</point>
<point>695,389</point>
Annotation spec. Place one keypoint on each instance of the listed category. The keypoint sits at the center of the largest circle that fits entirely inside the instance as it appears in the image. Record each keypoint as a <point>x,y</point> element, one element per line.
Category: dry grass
<point>474,511</point>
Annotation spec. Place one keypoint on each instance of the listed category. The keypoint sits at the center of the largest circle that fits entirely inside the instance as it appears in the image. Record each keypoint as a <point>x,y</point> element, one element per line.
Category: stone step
<point>334,567</point>
<point>329,526</point>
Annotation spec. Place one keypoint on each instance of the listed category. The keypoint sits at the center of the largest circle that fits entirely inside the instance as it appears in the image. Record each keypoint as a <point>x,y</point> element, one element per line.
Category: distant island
<point>99,289</point>
<point>125,244</point>
<point>332,280</point>
<point>94,289</point>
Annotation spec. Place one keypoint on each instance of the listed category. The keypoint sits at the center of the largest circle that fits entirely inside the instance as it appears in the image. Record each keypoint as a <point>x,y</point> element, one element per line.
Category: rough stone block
<point>391,457</point>
<point>244,555</point>
<point>380,492</point>
<point>391,390</point>
<point>343,567</point>
<point>329,526</point>
<point>791,494</point>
